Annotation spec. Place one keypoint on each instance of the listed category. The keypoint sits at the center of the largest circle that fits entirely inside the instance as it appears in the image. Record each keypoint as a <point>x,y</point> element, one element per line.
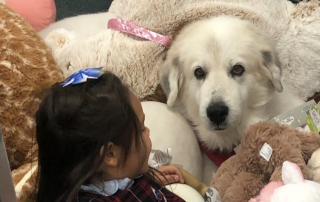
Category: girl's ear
<point>112,155</point>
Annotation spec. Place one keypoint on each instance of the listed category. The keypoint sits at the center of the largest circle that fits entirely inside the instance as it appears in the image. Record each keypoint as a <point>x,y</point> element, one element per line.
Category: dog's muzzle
<point>217,113</point>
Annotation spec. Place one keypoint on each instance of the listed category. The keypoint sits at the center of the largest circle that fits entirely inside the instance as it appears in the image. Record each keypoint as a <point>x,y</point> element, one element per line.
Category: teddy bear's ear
<point>310,142</point>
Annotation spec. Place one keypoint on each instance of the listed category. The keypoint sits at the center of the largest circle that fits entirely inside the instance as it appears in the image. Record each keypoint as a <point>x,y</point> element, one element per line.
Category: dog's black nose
<point>217,112</point>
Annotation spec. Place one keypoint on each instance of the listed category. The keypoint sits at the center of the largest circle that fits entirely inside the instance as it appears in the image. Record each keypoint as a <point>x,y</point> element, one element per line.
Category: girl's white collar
<point>108,188</point>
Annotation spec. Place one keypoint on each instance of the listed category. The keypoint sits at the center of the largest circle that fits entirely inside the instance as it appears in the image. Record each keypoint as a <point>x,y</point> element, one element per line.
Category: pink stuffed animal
<point>294,187</point>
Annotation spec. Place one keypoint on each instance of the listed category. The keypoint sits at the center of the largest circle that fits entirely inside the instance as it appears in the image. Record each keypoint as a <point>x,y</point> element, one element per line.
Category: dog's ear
<point>171,79</point>
<point>271,61</point>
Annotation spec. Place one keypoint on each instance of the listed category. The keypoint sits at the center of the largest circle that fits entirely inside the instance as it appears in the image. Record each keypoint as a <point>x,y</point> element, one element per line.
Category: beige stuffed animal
<point>314,166</point>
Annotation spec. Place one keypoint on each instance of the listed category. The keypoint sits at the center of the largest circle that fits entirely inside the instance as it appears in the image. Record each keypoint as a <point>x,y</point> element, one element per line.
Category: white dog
<point>223,75</point>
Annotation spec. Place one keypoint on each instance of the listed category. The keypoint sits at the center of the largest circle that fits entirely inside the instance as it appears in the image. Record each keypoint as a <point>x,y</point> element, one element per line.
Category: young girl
<point>94,146</point>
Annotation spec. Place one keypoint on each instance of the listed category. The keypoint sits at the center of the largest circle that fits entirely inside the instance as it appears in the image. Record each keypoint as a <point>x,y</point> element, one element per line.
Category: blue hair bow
<point>82,76</point>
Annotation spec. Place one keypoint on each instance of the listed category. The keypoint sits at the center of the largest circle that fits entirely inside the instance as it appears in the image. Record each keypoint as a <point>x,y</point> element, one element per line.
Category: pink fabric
<point>130,28</point>
<point>266,192</point>
<point>39,13</point>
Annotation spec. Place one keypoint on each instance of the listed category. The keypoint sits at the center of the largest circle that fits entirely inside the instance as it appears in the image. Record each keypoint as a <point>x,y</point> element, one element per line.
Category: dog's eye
<point>237,70</point>
<point>199,73</point>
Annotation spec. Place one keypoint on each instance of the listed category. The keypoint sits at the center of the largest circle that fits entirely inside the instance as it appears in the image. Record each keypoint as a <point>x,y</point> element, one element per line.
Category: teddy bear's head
<point>283,142</point>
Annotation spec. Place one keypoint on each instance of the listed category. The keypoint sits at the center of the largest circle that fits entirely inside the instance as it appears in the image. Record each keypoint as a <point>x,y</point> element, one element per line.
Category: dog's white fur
<point>216,45</point>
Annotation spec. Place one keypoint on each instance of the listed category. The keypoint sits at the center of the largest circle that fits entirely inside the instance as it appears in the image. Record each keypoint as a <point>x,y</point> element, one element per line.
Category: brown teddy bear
<point>243,175</point>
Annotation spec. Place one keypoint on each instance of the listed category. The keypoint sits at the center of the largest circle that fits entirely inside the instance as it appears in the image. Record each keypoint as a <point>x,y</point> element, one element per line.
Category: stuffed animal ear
<point>271,62</point>
<point>291,173</point>
<point>171,79</point>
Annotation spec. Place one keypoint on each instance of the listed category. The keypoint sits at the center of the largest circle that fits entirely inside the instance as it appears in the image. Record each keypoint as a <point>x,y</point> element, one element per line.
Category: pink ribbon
<point>130,28</point>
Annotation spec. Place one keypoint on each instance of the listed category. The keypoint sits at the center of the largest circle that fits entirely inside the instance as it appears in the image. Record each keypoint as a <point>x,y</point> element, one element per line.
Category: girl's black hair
<point>73,123</point>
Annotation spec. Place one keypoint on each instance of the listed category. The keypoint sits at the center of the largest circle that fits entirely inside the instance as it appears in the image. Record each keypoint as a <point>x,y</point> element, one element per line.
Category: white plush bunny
<point>295,188</point>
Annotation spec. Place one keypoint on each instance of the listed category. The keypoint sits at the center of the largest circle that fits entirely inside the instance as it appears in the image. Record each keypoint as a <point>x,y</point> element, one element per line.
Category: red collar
<point>215,156</point>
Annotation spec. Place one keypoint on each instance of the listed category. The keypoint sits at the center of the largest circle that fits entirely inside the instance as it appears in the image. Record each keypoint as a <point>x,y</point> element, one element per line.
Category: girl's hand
<point>171,173</point>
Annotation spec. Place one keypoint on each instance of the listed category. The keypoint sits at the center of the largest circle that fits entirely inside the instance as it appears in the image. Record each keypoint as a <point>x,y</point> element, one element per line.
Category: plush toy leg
<point>194,183</point>
<point>244,187</point>
<point>192,191</point>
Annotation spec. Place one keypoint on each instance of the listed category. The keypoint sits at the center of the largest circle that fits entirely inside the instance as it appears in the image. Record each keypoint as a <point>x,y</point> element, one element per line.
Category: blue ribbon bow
<point>82,76</point>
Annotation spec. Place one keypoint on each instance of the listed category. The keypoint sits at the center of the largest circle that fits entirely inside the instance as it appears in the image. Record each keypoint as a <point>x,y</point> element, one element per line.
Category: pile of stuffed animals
<point>291,174</point>
<point>292,167</point>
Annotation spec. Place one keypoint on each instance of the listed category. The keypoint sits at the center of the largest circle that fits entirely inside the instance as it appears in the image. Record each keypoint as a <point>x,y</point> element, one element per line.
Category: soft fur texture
<point>26,68</point>
<point>293,189</point>
<point>222,44</point>
<point>295,29</point>
<point>243,176</point>
<point>24,180</point>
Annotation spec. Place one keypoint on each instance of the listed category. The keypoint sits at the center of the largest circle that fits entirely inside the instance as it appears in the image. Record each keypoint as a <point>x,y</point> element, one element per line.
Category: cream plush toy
<point>314,166</point>
<point>294,187</point>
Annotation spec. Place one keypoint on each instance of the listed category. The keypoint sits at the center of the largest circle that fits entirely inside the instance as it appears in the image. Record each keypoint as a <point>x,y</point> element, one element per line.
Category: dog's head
<point>220,67</point>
